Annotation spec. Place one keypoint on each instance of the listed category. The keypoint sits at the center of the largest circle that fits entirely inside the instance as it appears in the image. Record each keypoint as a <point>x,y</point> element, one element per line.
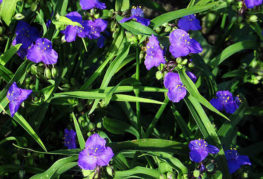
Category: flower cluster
<point>138,15</point>
<point>95,153</point>
<point>16,96</point>
<point>90,4</point>
<point>225,101</point>
<point>70,138</point>
<point>252,3</point>
<point>199,150</point>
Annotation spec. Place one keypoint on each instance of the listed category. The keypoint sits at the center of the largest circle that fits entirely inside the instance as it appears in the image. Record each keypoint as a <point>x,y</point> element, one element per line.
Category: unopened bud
<point>191,65</point>
<point>47,73</point>
<point>168,29</point>
<point>196,173</point>
<point>184,61</point>
<point>97,16</point>
<point>19,16</point>
<point>54,72</point>
<point>253,18</point>
<point>34,6</point>
<point>178,60</point>
<point>158,29</point>
<point>109,171</point>
<point>159,75</point>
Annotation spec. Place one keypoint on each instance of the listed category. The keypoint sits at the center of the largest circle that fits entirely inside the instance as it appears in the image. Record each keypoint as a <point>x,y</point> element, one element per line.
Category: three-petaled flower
<point>72,31</point>
<point>95,153</point>
<point>252,3</point>
<point>176,89</point>
<point>94,28</point>
<point>137,14</point>
<point>70,138</point>
<point>154,53</point>
<point>199,150</point>
<point>188,23</point>
<point>42,51</point>
<point>16,96</point>
<point>225,101</point>
<point>182,44</point>
<point>26,35</point>
<point>234,160</point>
<point>90,4</point>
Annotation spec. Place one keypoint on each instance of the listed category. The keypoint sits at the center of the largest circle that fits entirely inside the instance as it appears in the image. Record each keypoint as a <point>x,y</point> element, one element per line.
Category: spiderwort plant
<point>235,161</point>
<point>90,4</point>
<point>199,150</point>
<point>138,15</point>
<point>26,35</point>
<point>95,154</point>
<point>224,101</point>
<point>70,138</point>
<point>182,44</point>
<point>16,96</point>
<point>176,89</point>
<point>154,53</point>
<point>94,28</point>
<point>252,3</point>
<point>42,51</point>
<point>188,23</point>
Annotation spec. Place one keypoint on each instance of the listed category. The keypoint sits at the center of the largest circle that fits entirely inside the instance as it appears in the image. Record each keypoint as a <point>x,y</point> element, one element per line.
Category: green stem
<point>137,92</point>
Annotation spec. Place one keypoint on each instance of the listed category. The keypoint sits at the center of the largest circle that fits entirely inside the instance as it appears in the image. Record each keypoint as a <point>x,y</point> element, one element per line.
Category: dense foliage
<point>131,89</point>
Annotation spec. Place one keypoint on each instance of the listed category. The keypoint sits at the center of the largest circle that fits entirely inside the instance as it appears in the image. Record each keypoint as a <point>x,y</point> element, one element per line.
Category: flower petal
<point>178,50</point>
<point>177,93</point>
<point>13,107</point>
<point>171,80</point>
<point>198,155</point>
<point>142,20</point>
<point>233,166</point>
<point>34,54</point>
<point>70,33</point>
<point>86,161</point>
<point>50,56</point>
<point>212,149</point>
<point>95,140</point>
<point>125,19</point>
<point>243,160</point>
<point>195,46</point>
<point>105,158</point>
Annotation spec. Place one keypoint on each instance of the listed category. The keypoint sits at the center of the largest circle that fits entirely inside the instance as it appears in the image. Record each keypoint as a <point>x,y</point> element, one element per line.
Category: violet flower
<point>16,96</point>
<point>94,28</point>
<point>199,150</point>
<point>176,90</point>
<point>225,101</point>
<point>42,51</point>
<point>89,4</point>
<point>234,160</point>
<point>95,153</point>
<point>182,44</point>
<point>154,53</point>
<point>26,35</point>
<point>70,138</point>
<point>188,23</point>
<point>138,15</point>
<point>72,31</point>
<point>252,3</point>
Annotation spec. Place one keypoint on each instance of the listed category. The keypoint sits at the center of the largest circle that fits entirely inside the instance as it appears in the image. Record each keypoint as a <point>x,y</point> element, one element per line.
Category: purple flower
<point>1,1</point>
<point>154,53</point>
<point>176,90</point>
<point>26,35</point>
<point>182,44</point>
<point>138,15</point>
<point>95,153</point>
<point>253,3</point>
<point>234,160</point>
<point>94,28</point>
<point>188,23</point>
<point>42,52</point>
<point>225,101</point>
<point>70,139</point>
<point>16,96</point>
<point>72,31</point>
<point>89,4</point>
<point>199,149</point>
<point>101,41</point>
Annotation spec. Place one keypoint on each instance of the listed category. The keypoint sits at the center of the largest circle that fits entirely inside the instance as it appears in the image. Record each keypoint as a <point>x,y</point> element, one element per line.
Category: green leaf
<point>5,73</point>
<point>232,49</point>
<point>128,98</point>
<point>119,127</point>
<point>79,133</point>
<point>53,169</point>
<point>167,17</point>
<point>8,8</point>
<point>61,22</point>
<point>135,27</point>
<point>5,57</point>
<point>191,88</point>
<point>122,5</point>
<point>137,172</point>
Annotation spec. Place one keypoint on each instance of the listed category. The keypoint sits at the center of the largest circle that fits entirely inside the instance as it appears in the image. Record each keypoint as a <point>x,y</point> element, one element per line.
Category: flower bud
<point>34,6</point>
<point>196,173</point>
<point>168,29</point>
<point>91,126</point>
<point>210,167</point>
<point>54,72</point>
<point>99,125</point>
<point>253,18</point>
<point>2,30</point>
<point>178,60</point>
<point>141,55</point>
<point>109,171</point>
<point>191,65</point>
<point>97,16</point>
<point>19,16</point>
<point>33,69</point>
<point>184,61</point>
<point>158,75</point>
<point>47,73</point>
<point>170,175</point>
<point>158,29</point>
